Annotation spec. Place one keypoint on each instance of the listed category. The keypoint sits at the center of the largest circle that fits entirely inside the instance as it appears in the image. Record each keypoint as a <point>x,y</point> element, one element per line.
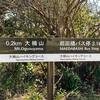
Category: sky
<point>95,1</point>
<point>94,5</point>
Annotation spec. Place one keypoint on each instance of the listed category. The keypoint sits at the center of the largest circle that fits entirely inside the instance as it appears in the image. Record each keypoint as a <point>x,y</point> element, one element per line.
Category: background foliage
<point>47,18</point>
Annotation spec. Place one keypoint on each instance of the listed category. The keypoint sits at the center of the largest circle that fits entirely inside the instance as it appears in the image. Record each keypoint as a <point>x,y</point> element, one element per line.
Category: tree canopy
<point>63,18</point>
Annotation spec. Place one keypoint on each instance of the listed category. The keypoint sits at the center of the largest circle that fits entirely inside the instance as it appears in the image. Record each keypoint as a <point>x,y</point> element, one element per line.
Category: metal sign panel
<point>42,49</point>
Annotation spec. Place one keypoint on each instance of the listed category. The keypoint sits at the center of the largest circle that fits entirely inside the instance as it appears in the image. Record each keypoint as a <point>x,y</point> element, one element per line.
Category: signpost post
<point>51,78</point>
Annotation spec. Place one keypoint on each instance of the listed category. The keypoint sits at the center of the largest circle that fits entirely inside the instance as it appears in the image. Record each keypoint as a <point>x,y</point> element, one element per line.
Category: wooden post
<point>51,88</point>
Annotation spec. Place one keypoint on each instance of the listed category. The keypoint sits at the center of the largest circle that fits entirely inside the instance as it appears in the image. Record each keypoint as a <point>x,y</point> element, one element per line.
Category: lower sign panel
<point>48,57</point>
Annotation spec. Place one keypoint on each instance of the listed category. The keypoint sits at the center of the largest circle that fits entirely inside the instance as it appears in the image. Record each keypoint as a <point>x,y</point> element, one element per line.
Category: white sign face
<point>48,57</point>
